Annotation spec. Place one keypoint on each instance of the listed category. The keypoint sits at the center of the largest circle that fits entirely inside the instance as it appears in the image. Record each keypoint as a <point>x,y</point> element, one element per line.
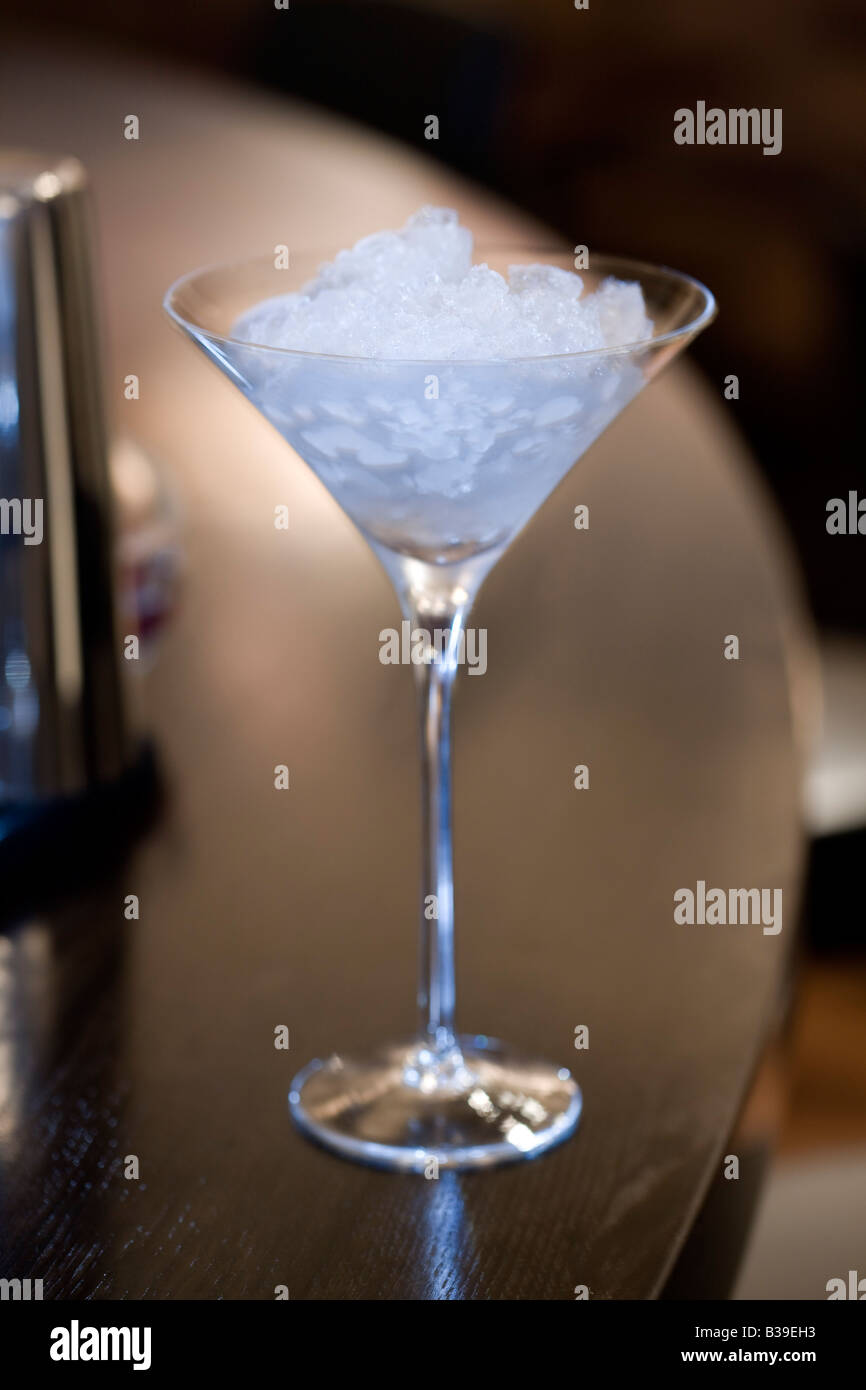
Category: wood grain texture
<point>261,908</point>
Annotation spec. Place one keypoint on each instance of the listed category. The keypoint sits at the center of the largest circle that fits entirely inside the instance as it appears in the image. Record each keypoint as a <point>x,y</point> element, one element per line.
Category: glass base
<point>410,1108</point>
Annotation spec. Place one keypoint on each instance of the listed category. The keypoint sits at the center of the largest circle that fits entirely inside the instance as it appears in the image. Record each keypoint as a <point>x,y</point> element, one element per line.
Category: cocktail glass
<point>439,464</point>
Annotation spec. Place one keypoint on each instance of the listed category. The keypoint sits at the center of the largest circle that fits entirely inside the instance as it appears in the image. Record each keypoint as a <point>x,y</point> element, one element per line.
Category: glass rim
<point>705,316</point>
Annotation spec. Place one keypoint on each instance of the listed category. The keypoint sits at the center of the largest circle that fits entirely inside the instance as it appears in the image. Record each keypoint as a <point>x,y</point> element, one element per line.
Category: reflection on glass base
<point>476,1106</point>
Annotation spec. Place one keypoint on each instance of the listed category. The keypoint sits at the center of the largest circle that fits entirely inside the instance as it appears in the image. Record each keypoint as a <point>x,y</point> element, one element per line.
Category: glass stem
<point>436,987</point>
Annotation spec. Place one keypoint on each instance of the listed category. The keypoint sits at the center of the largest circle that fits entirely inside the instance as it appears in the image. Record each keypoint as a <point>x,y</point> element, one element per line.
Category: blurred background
<point>569,114</point>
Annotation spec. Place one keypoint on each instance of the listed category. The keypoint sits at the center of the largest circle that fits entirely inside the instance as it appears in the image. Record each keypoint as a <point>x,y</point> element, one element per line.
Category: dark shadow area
<point>50,854</point>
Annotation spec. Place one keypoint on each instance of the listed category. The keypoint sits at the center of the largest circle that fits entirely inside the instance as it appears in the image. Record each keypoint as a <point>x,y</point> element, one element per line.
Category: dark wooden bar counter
<point>155,1037</point>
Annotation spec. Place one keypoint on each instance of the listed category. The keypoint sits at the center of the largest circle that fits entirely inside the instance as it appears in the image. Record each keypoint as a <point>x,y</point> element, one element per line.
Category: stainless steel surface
<point>61,709</point>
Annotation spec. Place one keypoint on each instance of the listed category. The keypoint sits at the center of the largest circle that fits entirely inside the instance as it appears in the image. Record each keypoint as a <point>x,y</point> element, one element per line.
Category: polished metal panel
<point>62,724</point>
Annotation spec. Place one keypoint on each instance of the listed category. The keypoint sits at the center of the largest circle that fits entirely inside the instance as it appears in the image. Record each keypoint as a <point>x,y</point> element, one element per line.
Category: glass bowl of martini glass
<point>440,456</point>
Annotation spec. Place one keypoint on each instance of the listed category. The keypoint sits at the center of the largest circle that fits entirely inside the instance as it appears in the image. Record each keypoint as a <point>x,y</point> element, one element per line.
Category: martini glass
<point>439,464</point>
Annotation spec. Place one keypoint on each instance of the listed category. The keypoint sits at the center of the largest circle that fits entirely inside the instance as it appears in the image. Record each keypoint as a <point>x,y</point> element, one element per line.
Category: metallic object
<point>62,721</point>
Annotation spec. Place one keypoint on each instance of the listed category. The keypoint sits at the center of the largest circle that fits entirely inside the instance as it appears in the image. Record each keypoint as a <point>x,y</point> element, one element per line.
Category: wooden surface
<point>261,908</point>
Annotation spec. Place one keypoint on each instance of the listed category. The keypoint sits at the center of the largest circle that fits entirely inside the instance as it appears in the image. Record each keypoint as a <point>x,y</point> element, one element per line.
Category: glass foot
<point>416,1110</point>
